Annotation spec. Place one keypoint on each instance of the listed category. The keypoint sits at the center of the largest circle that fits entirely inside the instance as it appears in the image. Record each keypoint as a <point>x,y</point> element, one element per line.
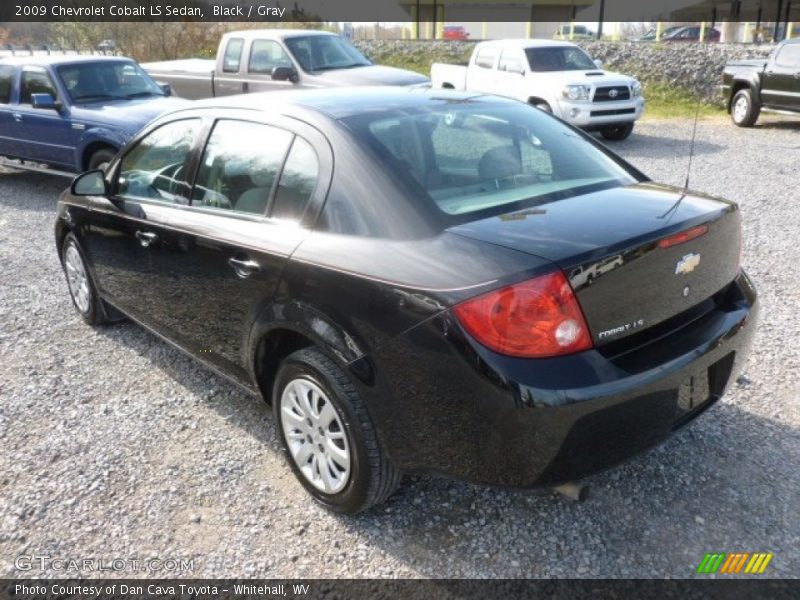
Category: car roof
<point>341,103</point>
<point>60,59</point>
<point>526,43</point>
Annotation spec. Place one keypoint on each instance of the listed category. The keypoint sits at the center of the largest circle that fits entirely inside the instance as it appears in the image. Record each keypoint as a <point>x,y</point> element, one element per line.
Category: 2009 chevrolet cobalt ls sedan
<point>417,280</point>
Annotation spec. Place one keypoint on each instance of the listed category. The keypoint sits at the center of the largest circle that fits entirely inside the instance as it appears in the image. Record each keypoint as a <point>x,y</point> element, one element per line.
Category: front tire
<point>328,436</point>
<point>617,133</point>
<point>744,108</point>
<point>81,287</point>
<point>101,159</point>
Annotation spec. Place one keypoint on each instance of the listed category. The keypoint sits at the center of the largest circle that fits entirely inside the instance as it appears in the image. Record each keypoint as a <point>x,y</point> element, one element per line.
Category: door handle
<point>17,117</point>
<point>146,238</point>
<point>244,268</point>
<point>245,87</point>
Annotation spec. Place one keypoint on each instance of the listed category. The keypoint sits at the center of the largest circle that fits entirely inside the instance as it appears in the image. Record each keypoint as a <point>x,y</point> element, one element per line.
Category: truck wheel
<point>617,132</point>
<point>744,108</point>
<point>101,158</point>
<point>328,436</point>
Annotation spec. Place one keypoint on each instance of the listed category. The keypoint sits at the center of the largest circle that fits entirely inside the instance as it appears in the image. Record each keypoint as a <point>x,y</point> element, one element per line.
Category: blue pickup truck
<point>73,113</point>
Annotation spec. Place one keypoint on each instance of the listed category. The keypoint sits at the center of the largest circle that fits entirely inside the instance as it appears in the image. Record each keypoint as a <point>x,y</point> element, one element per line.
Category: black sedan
<point>417,280</point>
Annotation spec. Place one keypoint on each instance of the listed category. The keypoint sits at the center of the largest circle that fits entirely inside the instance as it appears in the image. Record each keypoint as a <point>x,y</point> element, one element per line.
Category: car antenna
<point>685,191</point>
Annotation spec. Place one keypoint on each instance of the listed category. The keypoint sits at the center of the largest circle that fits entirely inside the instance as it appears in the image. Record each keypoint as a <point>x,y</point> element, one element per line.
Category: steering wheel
<point>140,183</point>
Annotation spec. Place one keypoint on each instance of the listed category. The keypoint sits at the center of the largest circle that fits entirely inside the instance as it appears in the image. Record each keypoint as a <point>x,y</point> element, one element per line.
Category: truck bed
<point>193,66</point>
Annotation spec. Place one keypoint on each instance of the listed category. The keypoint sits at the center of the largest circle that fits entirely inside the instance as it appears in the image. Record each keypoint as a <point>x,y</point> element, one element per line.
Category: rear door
<point>482,72</point>
<point>228,78</point>
<point>7,73</point>
<point>42,135</point>
<point>223,256</point>
<point>781,87</point>
<point>510,72</point>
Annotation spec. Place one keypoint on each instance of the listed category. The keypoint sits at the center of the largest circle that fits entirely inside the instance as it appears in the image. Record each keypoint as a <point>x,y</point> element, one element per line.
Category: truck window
<point>35,80</point>
<point>510,61</point>
<point>297,182</point>
<point>789,56</point>
<point>485,58</point>
<point>6,75</point>
<point>559,58</point>
<point>265,55</point>
<point>239,166</point>
<point>233,55</point>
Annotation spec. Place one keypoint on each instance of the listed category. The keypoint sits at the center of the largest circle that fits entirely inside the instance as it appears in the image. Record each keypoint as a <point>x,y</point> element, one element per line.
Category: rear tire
<point>101,158</point>
<point>317,407</point>
<point>617,133</point>
<point>744,108</point>
<point>81,287</point>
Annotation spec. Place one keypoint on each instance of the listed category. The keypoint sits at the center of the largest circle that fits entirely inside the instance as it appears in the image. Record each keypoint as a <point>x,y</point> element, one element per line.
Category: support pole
<point>600,19</point>
<point>776,31</point>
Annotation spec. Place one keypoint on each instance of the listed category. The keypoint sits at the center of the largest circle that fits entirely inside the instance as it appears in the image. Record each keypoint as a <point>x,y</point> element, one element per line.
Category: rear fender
<point>299,317</point>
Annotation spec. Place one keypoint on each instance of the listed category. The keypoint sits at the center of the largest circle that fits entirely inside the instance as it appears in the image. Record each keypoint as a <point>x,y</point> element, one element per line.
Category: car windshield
<point>325,52</point>
<point>480,156</point>
<point>97,81</point>
<point>558,58</point>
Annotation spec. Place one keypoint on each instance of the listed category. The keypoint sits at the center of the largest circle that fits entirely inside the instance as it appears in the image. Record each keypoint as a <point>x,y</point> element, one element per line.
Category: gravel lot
<point>115,445</point>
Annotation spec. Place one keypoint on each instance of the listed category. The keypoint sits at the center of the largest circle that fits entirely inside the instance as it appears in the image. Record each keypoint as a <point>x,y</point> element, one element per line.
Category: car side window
<point>155,168</point>
<point>239,166</point>
<point>788,56</point>
<point>6,76</point>
<point>510,61</point>
<point>233,55</point>
<point>265,55</point>
<point>485,58</point>
<point>35,81</point>
<point>297,183</point>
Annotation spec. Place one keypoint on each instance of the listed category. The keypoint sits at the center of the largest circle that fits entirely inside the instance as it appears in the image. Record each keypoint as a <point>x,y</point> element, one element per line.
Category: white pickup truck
<point>555,76</point>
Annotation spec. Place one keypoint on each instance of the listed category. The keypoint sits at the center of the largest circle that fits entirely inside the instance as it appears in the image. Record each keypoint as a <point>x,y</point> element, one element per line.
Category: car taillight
<point>533,319</point>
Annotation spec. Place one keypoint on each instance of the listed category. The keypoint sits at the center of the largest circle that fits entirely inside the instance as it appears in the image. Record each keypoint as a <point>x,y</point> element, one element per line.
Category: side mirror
<point>518,69</point>
<point>91,183</point>
<point>284,74</point>
<point>45,101</point>
<point>598,63</point>
<point>166,88</point>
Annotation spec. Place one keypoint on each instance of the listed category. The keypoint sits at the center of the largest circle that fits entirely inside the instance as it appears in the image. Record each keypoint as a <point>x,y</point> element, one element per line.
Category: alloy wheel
<point>315,435</point>
<point>740,109</point>
<point>77,278</point>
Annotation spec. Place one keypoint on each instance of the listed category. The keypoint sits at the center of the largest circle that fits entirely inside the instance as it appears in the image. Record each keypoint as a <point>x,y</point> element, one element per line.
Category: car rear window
<point>474,157</point>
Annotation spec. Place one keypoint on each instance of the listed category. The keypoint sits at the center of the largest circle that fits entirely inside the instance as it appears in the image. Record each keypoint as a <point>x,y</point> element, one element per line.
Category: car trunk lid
<point>607,243</point>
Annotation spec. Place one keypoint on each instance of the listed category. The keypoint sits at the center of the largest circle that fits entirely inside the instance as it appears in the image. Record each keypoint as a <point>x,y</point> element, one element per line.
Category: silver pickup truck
<point>275,59</point>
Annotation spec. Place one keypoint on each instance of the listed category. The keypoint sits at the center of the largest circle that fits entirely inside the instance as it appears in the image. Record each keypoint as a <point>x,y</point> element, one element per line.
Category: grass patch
<point>665,101</point>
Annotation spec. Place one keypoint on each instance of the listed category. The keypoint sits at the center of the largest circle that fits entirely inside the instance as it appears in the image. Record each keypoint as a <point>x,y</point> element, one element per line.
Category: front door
<point>127,231</point>
<point>781,87</point>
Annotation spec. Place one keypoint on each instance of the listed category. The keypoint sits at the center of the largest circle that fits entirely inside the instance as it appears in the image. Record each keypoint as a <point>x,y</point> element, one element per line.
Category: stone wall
<point>696,67</point>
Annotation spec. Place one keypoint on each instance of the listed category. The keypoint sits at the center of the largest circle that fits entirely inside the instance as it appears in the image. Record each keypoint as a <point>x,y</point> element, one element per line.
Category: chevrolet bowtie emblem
<point>687,264</point>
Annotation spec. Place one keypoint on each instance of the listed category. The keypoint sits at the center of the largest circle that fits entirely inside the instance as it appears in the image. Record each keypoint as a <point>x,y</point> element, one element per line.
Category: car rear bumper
<point>447,404</point>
